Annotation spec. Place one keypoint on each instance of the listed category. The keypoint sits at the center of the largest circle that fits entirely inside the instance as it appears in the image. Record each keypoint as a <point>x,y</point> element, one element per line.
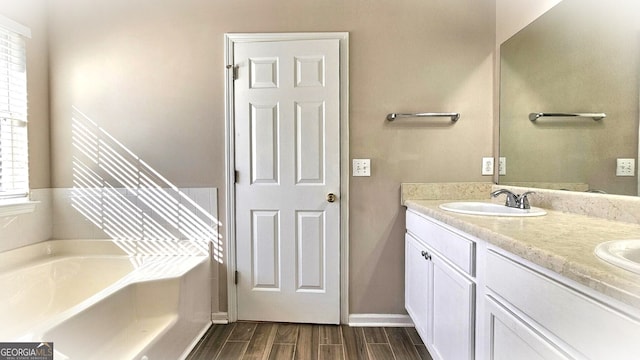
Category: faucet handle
<point>523,201</point>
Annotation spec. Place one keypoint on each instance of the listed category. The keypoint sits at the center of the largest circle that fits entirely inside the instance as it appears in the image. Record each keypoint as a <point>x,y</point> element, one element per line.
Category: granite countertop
<point>561,242</point>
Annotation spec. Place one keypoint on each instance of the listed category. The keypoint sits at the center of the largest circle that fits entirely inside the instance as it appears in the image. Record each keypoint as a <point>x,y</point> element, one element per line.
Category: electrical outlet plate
<point>625,167</point>
<point>361,167</point>
<point>502,166</point>
<point>487,166</point>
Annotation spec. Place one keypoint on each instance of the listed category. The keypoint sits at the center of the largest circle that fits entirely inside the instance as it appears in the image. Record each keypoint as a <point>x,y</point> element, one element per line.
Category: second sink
<point>489,209</point>
<point>622,253</point>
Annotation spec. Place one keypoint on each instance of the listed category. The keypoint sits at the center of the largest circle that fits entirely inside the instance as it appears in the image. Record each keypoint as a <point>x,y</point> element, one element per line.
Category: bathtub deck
<point>251,340</point>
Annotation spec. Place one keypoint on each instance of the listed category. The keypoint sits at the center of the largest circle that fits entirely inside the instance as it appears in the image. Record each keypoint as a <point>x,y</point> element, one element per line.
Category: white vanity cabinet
<point>439,287</point>
<point>470,299</point>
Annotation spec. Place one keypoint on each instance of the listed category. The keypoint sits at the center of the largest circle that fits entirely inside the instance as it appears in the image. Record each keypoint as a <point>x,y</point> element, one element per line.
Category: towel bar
<point>454,116</point>
<point>594,116</point>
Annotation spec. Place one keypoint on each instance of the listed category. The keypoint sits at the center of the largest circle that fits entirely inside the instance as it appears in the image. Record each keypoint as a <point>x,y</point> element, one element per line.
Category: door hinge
<point>236,176</point>
<point>235,277</point>
<point>234,71</point>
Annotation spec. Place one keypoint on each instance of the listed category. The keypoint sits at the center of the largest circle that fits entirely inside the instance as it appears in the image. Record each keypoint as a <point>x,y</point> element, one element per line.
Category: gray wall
<point>151,73</point>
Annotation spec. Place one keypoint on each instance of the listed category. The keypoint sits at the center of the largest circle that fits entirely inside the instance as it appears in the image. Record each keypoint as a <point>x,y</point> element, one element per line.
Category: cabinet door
<point>452,313</point>
<point>582,324</point>
<point>507,335</point>
<point>417,274</point>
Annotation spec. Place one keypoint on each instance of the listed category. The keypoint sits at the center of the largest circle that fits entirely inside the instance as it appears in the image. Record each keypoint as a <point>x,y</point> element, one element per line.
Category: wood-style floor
<point>251,340</point>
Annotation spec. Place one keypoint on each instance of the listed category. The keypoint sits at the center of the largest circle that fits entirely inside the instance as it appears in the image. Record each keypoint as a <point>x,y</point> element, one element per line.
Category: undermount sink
<point>490,209</point>
<point>621,253</point>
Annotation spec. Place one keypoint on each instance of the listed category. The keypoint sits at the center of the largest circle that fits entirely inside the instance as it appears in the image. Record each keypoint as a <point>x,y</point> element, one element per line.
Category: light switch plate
<point>361,167</point>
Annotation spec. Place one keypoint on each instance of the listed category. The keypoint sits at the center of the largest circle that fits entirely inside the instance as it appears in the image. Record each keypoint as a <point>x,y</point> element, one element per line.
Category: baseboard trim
<point>356,320</point>
<point>377,320</point>
<point>220,318</point>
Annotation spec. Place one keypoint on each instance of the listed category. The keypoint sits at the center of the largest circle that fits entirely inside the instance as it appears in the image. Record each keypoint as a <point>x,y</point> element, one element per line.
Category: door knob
<point>331,197</point>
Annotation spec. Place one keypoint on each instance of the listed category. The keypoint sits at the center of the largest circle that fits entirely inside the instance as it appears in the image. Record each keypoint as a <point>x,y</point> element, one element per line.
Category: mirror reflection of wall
<point>580,56</point>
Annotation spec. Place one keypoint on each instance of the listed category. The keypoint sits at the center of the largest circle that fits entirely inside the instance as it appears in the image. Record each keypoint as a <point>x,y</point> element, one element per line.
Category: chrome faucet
<point>513,200</point>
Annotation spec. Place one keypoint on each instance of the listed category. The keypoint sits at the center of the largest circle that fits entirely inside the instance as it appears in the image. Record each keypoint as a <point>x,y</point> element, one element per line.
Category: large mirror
<point>582,56</point>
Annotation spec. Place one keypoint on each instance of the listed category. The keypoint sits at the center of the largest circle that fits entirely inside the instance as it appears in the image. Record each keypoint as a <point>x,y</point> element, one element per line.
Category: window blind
<point>14,170</point>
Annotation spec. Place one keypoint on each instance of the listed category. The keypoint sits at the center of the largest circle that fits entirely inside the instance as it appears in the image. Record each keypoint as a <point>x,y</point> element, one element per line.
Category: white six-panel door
<point>287,154</point>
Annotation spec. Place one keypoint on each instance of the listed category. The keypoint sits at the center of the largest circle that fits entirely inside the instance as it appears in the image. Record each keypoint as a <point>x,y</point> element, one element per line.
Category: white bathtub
<point>93,301</point>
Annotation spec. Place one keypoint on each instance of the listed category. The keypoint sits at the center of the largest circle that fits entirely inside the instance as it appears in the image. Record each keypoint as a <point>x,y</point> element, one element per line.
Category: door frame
<point>230,40</point>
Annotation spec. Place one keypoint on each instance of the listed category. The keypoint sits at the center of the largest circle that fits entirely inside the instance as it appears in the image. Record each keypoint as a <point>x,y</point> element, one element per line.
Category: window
<point>14,171</point>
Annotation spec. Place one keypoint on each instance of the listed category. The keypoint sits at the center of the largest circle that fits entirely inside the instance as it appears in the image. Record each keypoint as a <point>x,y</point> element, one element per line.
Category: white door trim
<point>230,40</point>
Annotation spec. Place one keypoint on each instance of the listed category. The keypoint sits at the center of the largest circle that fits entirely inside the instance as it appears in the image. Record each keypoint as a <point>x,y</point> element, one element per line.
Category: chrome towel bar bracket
<point>594,116</point>
<point>454,116</point>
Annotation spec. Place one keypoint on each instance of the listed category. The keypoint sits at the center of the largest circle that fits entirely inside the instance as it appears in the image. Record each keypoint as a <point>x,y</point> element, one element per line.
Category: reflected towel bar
<point>454,116</point>
<point>594,116</point>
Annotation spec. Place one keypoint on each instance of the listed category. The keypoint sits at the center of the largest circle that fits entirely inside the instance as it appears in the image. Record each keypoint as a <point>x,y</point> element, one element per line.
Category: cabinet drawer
<point>457,249</point>
<point>591,328</point>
